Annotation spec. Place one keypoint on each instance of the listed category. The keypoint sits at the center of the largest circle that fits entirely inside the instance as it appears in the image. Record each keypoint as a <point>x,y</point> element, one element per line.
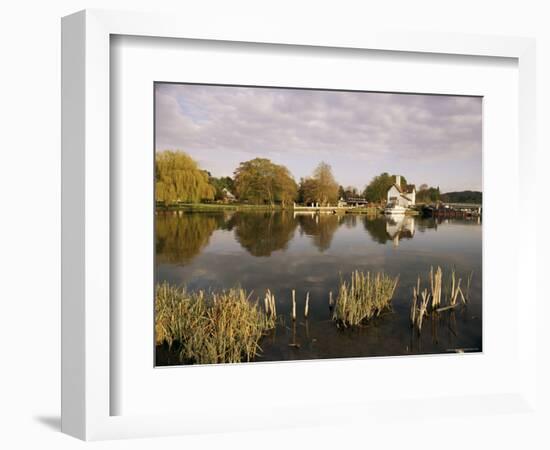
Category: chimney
<point>398,181</point>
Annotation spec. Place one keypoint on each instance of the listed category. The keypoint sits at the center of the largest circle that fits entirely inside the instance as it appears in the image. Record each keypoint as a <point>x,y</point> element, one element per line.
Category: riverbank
<point>198,207</point>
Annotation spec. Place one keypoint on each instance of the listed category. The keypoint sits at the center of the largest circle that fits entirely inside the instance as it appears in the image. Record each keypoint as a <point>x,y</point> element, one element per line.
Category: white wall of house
<point>401,199</point>
<point>412,196</point>
<point>393,195</point>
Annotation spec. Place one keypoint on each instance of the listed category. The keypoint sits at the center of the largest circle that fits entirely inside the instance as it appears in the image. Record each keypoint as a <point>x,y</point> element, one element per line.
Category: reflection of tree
<point>181,237</point>
<point>321,227</point>
<point>424,224</point>
<point>350,220</point>
<point>263,233</point>
<point>376,228</point>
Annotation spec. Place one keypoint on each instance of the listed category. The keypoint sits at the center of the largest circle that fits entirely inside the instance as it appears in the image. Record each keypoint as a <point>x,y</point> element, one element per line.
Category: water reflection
<point>182,236</point>
<point>400,227</point>
<point>393,228</point>
<point>263,233</point>
<point>283,251</point>
<point>321,228</point>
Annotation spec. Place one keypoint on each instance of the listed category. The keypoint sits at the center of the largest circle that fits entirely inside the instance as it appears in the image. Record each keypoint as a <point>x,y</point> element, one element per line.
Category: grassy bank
<point>201,207</point>
<point>219,207</point>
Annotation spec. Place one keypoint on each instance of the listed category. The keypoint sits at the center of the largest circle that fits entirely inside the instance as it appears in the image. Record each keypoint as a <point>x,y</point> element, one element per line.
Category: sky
<point>429,139</point>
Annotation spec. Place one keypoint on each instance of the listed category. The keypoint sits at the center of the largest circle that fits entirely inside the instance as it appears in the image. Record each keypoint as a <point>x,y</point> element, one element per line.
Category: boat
<point>393,209</point>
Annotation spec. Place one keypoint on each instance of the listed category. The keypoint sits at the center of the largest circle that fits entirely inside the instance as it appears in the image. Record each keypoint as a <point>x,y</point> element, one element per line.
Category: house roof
<point>396,187</point>
<point>410,188</point>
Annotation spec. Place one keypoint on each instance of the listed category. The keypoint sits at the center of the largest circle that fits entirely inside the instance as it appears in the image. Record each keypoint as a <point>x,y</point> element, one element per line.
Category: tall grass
<point>209,327</point>
<point>363,297</point>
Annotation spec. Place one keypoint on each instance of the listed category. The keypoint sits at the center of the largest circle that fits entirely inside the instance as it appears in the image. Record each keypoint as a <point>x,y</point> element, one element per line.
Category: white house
<point>228,196</point>
<point>397,196</point>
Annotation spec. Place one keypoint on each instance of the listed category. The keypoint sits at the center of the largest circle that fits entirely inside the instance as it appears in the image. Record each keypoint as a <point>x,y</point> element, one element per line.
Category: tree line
<point>178,178</point>
<point>259,181</point>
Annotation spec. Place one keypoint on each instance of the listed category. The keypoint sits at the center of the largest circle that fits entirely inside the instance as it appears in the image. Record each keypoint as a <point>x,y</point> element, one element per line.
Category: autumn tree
<point>326,185</point>
<point>261,181</point>
<point>321,188</point>
<point>178,178</point>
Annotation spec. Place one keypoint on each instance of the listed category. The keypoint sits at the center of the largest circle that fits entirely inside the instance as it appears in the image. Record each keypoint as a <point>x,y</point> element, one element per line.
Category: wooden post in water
<point>307,305</point>
<point>293,304</point>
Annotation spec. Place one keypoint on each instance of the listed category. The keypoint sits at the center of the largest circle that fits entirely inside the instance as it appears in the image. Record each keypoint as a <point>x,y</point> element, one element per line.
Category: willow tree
<point>260,181</point>
<point>179,179</point>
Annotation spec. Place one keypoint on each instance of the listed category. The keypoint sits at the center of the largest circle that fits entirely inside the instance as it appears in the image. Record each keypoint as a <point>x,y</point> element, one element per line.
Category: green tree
<point>351,192</point>
<point>261,181</point>
<point>308,191</point>
<point>376,191</point>
<point>341,192</point>
<point>178,178</point>
<point>220,184</point>
<point>428,194</point>
<point>462,197</point>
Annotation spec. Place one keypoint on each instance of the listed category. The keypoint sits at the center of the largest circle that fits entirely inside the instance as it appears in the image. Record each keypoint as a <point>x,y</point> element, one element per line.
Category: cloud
<point>222,125</point>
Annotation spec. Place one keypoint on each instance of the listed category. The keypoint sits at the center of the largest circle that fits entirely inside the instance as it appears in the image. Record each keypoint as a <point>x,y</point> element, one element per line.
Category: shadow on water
<point>309,253</point>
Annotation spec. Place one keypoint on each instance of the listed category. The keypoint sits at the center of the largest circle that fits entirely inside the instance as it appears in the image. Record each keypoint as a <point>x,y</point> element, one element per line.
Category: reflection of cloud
<point>312,279</point>
<point>242,123</point>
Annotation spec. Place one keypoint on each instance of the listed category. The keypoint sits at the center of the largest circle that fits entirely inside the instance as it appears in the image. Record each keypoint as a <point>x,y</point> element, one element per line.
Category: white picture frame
<point>86,221</point>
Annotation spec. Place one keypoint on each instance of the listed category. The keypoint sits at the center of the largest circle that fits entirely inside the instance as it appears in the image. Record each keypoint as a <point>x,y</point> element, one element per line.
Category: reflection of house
<point>398,196</point>
<point>400,227</point>
<point>228,196</point>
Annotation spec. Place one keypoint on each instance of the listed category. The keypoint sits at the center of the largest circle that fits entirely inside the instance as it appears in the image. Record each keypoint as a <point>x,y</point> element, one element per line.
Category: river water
<point>309,253</point>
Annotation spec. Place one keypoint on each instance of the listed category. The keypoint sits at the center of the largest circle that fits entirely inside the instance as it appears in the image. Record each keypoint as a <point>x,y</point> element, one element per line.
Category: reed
<point>363,297</point>
<point>269,305</point>
<point>436,284</point>
<point>293,304</point>
<point>306,309</point>
<point>210,327</point>
<point>423,308</point>
<point>421,298</point>
<point>455,290</point>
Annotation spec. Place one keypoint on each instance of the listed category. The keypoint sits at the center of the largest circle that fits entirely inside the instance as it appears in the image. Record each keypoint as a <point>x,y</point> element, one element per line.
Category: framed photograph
<point>264,253</point>
<point>253,217</point>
